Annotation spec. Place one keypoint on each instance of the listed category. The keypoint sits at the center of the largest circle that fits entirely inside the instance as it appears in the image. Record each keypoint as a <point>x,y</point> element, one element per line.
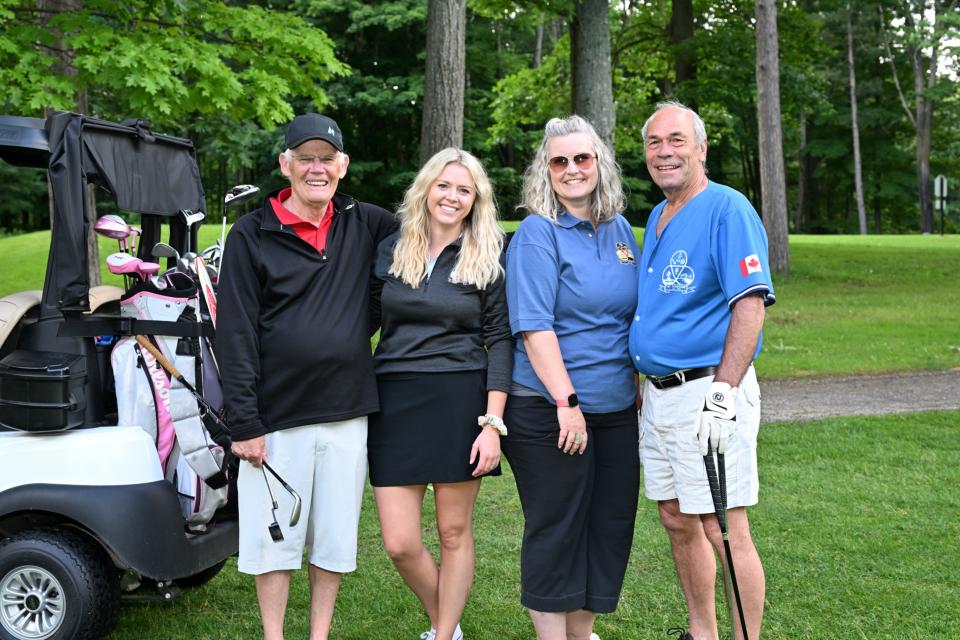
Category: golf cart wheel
<point>55,584</point>
<point>203,577</point>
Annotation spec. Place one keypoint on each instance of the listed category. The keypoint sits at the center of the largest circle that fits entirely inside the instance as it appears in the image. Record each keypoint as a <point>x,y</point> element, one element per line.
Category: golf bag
<point>148,397</point>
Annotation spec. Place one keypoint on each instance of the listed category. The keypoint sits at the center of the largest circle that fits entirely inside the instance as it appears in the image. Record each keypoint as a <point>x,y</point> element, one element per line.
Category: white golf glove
<point>719,417</point>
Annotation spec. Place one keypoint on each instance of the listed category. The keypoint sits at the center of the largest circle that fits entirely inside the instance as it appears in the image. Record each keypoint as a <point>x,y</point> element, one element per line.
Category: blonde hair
<point>478,262</point>
<point>607,199</point>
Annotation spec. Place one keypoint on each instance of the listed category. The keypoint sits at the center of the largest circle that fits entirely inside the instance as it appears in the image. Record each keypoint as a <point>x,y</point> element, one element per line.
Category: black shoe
<point>683,633</point>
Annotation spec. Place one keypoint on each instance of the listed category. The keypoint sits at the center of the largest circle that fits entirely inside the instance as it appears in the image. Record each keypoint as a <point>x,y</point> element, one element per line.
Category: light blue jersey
<point>711,254</point>
<point>581,284</point>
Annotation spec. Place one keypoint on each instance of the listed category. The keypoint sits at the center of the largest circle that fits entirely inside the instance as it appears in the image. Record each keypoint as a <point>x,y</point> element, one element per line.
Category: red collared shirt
<point>314,235</point>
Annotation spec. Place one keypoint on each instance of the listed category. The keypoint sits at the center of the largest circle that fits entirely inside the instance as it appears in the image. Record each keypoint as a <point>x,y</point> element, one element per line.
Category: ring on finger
<point>577,439</point>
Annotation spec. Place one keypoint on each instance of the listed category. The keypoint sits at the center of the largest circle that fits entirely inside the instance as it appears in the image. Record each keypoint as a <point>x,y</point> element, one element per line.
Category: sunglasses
<point>583,161</point>
<point>274,527</point>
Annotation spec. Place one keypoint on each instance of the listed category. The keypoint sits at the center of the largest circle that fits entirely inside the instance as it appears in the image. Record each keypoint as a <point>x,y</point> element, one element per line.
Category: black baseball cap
<point>313,126</point>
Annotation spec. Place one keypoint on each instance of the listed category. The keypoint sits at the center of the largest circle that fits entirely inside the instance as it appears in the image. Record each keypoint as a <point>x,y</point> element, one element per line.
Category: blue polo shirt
<point>581,284</point>
<point>711,254</point>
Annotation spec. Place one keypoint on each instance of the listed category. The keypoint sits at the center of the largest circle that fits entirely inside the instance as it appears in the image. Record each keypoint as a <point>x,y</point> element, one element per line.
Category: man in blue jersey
<point>703,285</point>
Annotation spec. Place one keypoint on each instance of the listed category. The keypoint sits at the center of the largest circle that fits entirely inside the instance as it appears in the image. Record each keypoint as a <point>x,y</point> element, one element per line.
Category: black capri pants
<point>579,511</point>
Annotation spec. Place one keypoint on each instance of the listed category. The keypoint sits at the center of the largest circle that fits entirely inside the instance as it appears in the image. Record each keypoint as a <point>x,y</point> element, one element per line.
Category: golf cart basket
<point>147,173</point>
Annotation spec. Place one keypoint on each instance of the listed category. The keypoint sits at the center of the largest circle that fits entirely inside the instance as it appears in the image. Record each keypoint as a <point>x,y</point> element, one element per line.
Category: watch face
<point>572,400</point>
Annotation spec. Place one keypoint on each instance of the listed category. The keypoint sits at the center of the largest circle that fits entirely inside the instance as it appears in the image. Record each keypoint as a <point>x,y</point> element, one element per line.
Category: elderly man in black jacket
<point>294,350</point>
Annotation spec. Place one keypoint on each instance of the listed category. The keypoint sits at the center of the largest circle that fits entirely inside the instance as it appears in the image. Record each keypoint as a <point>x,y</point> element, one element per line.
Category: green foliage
<point>168,62</point>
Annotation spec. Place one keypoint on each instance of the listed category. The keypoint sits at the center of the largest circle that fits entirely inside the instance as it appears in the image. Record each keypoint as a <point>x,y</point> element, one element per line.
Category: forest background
<point>229,75</point>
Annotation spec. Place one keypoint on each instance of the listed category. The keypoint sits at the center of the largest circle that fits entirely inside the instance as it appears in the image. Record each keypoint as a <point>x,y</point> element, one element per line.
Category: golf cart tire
<point>88,585</point>
<point>201,578</point>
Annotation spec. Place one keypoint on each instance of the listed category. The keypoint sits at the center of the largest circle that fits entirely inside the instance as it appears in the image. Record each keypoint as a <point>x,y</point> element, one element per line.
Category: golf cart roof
<point>147,173</point>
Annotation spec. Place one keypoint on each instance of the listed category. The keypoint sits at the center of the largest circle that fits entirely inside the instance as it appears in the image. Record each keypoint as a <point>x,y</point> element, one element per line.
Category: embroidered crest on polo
<point>750,264</point>
<point>678,275</point>
<point>624,255</point>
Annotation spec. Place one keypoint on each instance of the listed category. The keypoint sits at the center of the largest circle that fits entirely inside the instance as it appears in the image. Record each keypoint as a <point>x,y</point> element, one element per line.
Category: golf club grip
<point>722,473</point>
<point>162,359</point>
<point>715,492</point>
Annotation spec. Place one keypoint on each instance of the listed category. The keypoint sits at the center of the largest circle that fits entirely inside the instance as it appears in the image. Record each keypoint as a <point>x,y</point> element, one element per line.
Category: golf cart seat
<point>102,294</point>
<point>12,309</point>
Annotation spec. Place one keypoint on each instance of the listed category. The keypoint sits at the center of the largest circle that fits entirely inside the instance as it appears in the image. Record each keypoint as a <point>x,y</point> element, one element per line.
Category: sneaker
<point>430,635</point>
<point>683,634</point>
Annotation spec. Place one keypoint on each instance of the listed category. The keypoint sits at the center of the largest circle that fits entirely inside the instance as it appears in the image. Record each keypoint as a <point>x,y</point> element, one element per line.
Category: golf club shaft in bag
<point>718,491</point>
<point>207,411</point>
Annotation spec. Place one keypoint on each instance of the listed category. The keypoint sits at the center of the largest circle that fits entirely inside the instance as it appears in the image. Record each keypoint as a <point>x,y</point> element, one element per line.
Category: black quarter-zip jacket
<point>293,325</point>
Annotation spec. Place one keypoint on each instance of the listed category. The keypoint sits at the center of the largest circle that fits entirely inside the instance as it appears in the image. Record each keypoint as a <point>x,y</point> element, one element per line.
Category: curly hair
<point>478,262</point>
<point>608,198</point>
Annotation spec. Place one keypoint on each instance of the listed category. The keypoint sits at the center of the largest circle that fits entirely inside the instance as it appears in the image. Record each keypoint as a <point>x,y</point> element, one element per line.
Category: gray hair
<point>538,195</point>
<point>699,129</point>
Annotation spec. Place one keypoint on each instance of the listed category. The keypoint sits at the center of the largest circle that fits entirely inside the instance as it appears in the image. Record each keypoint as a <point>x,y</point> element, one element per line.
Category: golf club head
<point>184,265</point>
<point>112,226</point>
<point>163,250</point>
<point>146,270</point>
<point>213,273</point>
<point>123,264</point>
<point>295,514</point>
<point>159,282</point>
<point>239,193</point>
<point>275,533</point>
<point>191,218</point>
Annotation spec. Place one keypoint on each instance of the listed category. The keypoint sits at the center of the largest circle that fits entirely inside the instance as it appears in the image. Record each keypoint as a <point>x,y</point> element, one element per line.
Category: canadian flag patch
<point>750,264</point>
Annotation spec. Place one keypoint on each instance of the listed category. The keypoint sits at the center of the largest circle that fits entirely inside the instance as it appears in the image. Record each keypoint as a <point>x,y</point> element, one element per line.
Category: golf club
<point>191,218</point>
<point>123,264</point>
<point>718,491</point>
<point>274,527</point>
<point>297,503</point>
<point>206,411</point>
<point>235,196</point>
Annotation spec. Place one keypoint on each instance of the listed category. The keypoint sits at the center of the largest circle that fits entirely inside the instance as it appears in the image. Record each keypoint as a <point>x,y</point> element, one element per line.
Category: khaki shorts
<point>327,465</point>
<point>669,449</point>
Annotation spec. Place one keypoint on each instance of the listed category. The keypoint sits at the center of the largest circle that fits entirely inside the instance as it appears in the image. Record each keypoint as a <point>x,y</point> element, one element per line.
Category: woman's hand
<point>485,451</point>
<point>573,430</point>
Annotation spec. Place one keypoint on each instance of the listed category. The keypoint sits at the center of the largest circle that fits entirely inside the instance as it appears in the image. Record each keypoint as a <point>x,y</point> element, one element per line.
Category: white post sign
<point>940,189</point>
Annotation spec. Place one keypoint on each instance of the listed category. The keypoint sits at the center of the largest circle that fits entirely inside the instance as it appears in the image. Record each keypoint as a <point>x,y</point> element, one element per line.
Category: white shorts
<point>327,465</point>
<point>669,449</point>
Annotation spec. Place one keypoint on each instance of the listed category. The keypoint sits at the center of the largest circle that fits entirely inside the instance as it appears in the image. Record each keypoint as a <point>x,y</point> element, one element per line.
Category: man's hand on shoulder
<point>253,451</point>
<point>718,419</point>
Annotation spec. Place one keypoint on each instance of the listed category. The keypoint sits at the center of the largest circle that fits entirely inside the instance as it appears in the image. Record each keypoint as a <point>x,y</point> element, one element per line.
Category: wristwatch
<point>570,401</point>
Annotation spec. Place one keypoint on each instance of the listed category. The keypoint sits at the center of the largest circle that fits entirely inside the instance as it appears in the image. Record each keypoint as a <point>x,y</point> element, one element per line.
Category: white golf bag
<point>165,409</point>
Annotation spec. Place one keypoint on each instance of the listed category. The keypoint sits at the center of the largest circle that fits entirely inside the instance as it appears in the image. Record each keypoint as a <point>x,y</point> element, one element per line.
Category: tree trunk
<point>443,86</point>
<point>855,126</point>
<point>590,64</point>
<point>681,36</point>
<point>47,9</point>
<point>802,177</point>
<point>773,186</point>
<point>538,45</point>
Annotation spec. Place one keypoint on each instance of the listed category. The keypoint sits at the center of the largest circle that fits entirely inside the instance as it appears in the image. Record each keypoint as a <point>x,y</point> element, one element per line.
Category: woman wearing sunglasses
<point>443,370</point>
<point>573,442</point>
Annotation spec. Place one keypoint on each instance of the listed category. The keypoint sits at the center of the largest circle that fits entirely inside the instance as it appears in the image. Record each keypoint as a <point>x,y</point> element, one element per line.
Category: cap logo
<point>331,131</point>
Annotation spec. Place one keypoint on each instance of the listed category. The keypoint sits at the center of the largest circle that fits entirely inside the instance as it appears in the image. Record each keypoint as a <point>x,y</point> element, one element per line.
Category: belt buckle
<point>681,376</point>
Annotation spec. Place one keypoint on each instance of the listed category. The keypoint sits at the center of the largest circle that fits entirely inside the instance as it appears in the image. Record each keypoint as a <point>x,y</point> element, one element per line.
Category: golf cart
<point>87,511</point>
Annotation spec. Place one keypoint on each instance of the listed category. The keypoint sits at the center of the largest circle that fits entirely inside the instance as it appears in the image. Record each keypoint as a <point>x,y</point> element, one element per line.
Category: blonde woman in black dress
<point>444,365</point>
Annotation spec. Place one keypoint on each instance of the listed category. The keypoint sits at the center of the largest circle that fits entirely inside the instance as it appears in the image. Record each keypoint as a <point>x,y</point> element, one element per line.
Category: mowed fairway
<point>851,304</point>
<point>857,527</point>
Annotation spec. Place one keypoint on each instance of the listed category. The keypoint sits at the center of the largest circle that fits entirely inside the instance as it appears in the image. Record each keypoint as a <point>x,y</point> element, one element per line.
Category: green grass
<point>851,304</point>
<point>857,527</point>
